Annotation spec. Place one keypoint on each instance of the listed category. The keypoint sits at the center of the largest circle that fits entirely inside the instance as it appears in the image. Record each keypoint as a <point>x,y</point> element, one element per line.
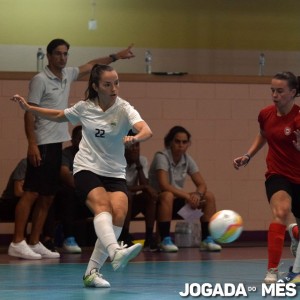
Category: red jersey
<point>282,158</point>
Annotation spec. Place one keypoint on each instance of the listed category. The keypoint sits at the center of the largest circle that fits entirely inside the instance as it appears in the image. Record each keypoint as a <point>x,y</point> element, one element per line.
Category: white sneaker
<point>70,245</point>
<point>167,245</point>
<point>294,241</point>
<point>271,276</point>
<point>123,255</point>
<point>209,245</point>
<point>95,279</point>
<point>43,251</point>
<point>22,250</point>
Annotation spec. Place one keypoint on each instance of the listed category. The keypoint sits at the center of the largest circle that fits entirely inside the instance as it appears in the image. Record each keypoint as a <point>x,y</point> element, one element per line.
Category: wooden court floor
<point>153,276</point>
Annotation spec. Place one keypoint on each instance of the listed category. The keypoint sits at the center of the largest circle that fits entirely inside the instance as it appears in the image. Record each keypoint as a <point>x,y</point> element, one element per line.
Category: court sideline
<point>150,276</point>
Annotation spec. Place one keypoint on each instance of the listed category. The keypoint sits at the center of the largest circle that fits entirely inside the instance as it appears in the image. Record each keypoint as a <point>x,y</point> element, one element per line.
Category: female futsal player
<point>99,165</point>
<point>280,129</point>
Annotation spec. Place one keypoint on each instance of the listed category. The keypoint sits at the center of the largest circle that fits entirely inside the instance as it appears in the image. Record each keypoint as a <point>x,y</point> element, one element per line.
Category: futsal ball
<point>225,226</point>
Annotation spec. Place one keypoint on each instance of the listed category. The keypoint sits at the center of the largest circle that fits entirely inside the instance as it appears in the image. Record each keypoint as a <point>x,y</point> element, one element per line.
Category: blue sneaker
<point>167,245</point>
<point>209,245</point>
<point>70,245</point>
<point>291,277</point>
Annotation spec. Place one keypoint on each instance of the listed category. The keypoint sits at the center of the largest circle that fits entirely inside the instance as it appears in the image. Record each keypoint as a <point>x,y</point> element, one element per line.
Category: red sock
<point>276,236</point>
<point>295,232</point>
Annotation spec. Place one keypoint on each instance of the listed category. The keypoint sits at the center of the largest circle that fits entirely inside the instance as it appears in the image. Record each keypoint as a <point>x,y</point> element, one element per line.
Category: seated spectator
<point>13,191</point>
<point>12,194</point>
<point>68,205</point>
<point>167,174</point>
<point>141,198</point>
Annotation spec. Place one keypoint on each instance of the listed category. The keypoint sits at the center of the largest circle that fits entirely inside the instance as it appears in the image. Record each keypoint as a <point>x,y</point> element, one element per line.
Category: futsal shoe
<point>43,251</point>
<point>271,276</point>
<point>291,277</point>
<point>22,250</point>
<point>167,245</point>
<point>70,245</point>
<point>123,255</point>
<point>294,235</point>
<point>95,279</point>
<point>209,245</point>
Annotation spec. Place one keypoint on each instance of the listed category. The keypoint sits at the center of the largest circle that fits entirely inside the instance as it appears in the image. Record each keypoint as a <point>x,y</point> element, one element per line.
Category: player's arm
<point>143,133</point>
<point>123,54</point>
<point>46,113</point>
<point>257,144</point>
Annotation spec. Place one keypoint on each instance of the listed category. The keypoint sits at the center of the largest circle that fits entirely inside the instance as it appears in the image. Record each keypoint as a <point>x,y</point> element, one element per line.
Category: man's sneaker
<point>22,250</point>
<point>70,245</point>
<point>150,245</point>
<point>167,245</point>
<point>271,276</point>
<point>43,251</point>
<point>95,279</point>
<point>291,277</point>
<point>209,245</point>
<point>123,255</point>
<point>294,235</point>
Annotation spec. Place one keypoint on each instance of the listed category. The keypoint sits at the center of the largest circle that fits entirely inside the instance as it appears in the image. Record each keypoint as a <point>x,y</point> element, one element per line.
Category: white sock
<point>99,255</point>
<point>117,231</point>
<point>296,266</point>
<point>97,259</point>
<point>105,232</point>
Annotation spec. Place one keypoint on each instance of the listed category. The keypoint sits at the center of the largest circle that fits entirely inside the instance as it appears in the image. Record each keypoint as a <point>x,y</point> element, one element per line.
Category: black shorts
<point>85,181</point>
<point>277,183</point>
<point>45,179</point>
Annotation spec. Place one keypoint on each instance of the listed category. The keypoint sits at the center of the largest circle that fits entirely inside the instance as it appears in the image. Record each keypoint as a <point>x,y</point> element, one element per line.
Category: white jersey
<point>101,149</point>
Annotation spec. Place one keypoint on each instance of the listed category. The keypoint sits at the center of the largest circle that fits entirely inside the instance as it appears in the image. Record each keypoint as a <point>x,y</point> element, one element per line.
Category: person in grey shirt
<point>167,175</point>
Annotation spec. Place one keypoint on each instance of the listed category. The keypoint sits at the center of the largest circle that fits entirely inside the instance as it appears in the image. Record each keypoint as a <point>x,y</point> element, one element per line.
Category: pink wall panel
<point>220,117</point>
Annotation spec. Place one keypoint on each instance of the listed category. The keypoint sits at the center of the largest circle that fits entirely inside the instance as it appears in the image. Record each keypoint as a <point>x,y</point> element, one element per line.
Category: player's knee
<point>210,198</point>
<point>282,214</point>
<point>166,197</point>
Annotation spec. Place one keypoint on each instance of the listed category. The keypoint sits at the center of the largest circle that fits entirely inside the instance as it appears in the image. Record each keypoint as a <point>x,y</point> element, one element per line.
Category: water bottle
<point>40,60</point>
<point>148,61</point>
<point>262,62</point>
